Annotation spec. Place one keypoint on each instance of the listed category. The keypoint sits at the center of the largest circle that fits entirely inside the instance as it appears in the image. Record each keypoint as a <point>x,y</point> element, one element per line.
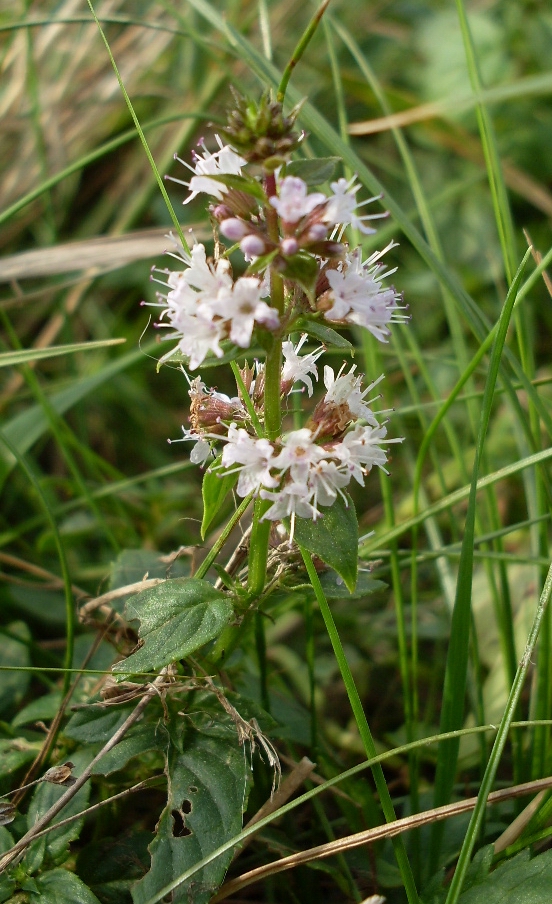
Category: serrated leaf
<point>333,538</point>
<point>138,740</point>
<point>302,269</point>
<point>313,172</point>
<point>207,782</point>
<point>242,183</point>
<point>214,489</point>
<point>96,724</point>
<point>58,886</point>
<point>518,881</point>
<point>324,333</point>
<point>335,588</point>
<point>176,618</point>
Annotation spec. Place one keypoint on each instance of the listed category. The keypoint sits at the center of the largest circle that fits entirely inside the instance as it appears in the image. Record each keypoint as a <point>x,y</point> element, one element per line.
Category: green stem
<point>299,50</point>
<point>260,532</point>
<point>362,723</point>
<point>216,548</point>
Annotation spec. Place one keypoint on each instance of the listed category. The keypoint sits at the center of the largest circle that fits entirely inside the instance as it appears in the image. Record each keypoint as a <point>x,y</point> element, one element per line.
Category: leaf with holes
<point>207,782</point>
<point>333,538</point>
<point>176,618</point>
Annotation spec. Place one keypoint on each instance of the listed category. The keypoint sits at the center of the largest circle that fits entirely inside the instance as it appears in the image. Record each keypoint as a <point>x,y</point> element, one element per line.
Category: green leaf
<point>207,782</point>
<point>58,886</point>
<point>138,740</point>
<point>334,586</point>
<point>7,884</point>
<point>333,538</point>
<point>14,652</point>
<point>302,269</point>
<point>215,488</point>
<point>24,355</point>
<point>519,881</point>
<point>131,566</point>
<point>96,724</point>
<point>324,333</point>
<point>242,183</point>
<point>43,708</point>
<point>313,172</point>
<point>54,844</point>
<point>109,866</point>
<point>15,752</point>
<point>261,263</point>
<point>176,618</point>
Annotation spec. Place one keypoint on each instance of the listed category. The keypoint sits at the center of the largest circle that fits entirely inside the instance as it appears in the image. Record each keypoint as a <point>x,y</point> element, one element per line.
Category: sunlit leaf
<point>176,618</point>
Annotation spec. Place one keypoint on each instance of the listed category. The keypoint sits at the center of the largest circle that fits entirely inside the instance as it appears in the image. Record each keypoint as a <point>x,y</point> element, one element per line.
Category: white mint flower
<point>223,162</point>
<point>297,368</point>
<point>196,336</point>
<point>242,307</point>
<point>253,457</point>
<point>358,296</point>
<point>341,206</point>
<point>293,499</point>
<point>361,449</point>
<point>298,454</point>
<point>206,277</point>
<point>345,389</point>
<point>202,449</point>
<point>293,202</point>
<point>326,481</point>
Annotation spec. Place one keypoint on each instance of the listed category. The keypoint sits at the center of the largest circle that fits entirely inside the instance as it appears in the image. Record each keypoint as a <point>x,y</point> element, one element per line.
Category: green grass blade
<point>24,356</point>
<point>452,712</point>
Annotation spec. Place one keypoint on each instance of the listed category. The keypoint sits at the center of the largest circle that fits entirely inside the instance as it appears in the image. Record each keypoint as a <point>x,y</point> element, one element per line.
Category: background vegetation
<point>456,125</point>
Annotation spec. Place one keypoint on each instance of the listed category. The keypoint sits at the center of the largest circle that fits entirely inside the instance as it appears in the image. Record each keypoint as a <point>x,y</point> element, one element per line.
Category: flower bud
<point>289,246</point>
<point>221,212</point>
<point>234,229</point>
<point>260,131</point>
<point>317,232</point>
<point>252,246</point>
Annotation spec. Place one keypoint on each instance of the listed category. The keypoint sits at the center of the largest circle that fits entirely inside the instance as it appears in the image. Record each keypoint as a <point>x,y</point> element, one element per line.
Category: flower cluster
<point>309,467</point>
<point>298,267</point>
<point>205,305</point>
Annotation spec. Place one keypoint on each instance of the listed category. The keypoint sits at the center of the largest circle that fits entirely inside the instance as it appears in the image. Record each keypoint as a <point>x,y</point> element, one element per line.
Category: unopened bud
<point>289,246</point>
<point>221,212</point>
<point>317,232</point>
<point>234,229</point>
<point>252,246</point>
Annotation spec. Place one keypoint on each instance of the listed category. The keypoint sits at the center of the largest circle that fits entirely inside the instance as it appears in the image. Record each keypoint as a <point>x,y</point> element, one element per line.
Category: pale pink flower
<point>298,454</point>
<point>360,450</point>
<point>253,459</point>
<point>341,206</point>
<point>223,162</point>
<point>293,202</point>
<point>345,389</point>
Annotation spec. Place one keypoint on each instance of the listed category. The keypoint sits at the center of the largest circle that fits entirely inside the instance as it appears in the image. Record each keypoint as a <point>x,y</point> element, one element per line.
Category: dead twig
<point>370,835</point>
